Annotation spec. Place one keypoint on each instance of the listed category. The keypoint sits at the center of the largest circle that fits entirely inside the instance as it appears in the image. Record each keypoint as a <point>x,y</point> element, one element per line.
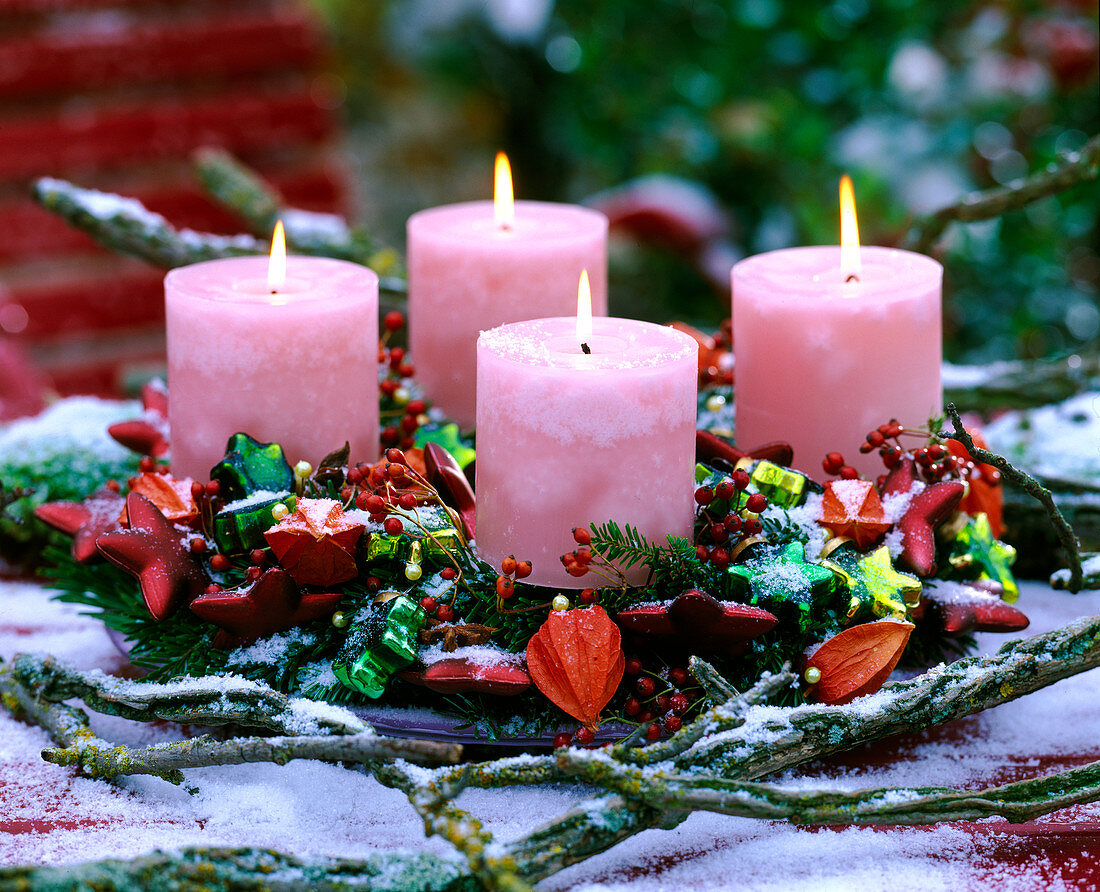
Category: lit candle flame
<point>584,311</point>
<point>504,208</point>
<point>276,266</point>
<point>850,264</point>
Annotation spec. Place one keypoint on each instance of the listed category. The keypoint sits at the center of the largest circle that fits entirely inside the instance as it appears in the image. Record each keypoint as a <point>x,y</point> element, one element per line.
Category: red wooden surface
<point>116,95</point>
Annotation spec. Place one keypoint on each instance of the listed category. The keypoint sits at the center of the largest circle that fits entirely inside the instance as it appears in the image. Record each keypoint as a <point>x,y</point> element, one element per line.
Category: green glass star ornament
<point>251,466</point>
<point>873,582</point>
<point>976,554</point>
<point>785,577</point>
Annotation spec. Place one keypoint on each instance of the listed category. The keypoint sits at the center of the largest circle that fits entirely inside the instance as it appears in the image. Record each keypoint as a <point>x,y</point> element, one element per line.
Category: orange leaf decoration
<point>858,660</point>
<point>173,497</point>
<point>316,544</point>
<point>853,508</point>
<point>576,659</point>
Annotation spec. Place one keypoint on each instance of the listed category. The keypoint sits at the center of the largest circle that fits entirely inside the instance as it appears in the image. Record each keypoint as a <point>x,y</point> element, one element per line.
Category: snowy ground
<point>47,814</point>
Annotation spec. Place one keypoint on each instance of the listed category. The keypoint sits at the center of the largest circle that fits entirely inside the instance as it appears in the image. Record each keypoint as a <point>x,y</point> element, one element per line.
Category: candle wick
<point>585,349</point>
<point>852,278</point>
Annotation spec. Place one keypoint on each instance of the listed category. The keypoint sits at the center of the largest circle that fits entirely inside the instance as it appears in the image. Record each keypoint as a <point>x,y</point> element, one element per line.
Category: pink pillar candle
<point>298,367</point>
<point>468,274</point>
<point>566,439</point>
<point>820,362</point>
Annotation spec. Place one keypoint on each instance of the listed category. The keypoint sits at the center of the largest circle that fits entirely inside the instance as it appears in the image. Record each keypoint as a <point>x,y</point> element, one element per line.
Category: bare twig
<point>1032,486</point>
<point>1067,172</point>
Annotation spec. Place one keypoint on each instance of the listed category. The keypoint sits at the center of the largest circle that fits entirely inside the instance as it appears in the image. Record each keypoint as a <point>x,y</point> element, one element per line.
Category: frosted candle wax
<point>299,367</point>
<point>820,362</point>
<point>468,273</point>
<point>567,439</point>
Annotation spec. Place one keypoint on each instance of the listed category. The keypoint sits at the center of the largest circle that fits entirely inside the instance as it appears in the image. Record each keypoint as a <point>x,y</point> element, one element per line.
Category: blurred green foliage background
<point>765,104</point>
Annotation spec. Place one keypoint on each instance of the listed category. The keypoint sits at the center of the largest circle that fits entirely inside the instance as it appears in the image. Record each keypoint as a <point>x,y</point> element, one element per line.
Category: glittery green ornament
<point>782,486</point>
<point>378,648</point>
<point>873,582</point>
<point>414,547</point>
<point>450,438</point>
<point>785,577</point>
<point>976,554</point>
<point>250,466</point>
<point>242,528</point>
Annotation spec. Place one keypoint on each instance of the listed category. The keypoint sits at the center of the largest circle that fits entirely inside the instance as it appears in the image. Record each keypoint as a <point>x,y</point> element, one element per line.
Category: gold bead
<point>423,418</point>
<point>279,511</point>
<point>413,571</point>
<point>560,602</point>
<point>303,469</point>
<point>401,396</point>
<point>715,402</point>
<point>339,619</point>
<point>812,675</point>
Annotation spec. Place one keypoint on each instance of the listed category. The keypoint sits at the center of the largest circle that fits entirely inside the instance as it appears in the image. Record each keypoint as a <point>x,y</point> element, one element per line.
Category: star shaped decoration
<point>154,551</point>
<point>852,508</point>
<point>698,622</point>
<point>85,521</point>
<point>872,580</point>
<point>250,466</point>
<point>786,577</point>
<point>316,544</point>
<point>147,435</point>
<point>926,510</point>
<point>457,675</point>
<point>961,608</point>
<point>709,447</point>
<point>273,603</point>
<point>975,548</point>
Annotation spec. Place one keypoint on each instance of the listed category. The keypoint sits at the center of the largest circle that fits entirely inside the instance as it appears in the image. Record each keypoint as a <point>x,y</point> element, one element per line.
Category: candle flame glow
<point>584,309</point>
<point>276,266</point>
<point>850,264</point>
<point>504,207</point>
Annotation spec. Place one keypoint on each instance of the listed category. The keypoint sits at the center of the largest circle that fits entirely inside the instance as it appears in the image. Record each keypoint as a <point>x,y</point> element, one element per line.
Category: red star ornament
<point>154,551</point>
<point>457,675</point>
<point>698,621</point>
<point>85,521</point>
<point>853,508</point>
<point>147,435</point>
<point>271,604</point>
<point>316,544</point>
<point>171,495</point>
<point>927,510</point>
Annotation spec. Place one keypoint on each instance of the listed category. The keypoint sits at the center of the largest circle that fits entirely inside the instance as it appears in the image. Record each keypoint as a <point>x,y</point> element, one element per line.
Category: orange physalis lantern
<point>858,660</point>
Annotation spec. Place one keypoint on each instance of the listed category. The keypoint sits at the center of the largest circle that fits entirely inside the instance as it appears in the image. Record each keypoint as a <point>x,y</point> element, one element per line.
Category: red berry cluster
<point>934,460</point>
<point>715,369</point>
<point>834,463</point>
<point>577,562</point>
<point>510,571</point>
<point>385,487</point>
<point>660,698</point>
<point>720,524</point>
<point>401,414</point>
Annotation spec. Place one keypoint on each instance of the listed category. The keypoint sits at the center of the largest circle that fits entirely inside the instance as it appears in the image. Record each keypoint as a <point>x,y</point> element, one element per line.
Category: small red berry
<point>389,435</point>
<point>508,565</point>
<point>393,321</point>
<point>258,556</point>
<point>219,563</point>
<point>732,523</point>
<point>373,583</point>
<point>751,527</point>
<point>583,557</point>
<point>663,702</point>
<point>646,716</point>
<point>407,501</point>
<point>585,736</point>
<point>448,573</point>
<point>833,462</point>
<point>576,571</point>
<point>393,526</point>
<point>213,488</point>
<point>653,732</point>
<point>523,569</point>
<point>197,490</point>
<point>388,387</point>
<point>740,479</point>
<point>505,587</point>
<point>720,558</point>
<point>253,573</point>
<point>679,703</point>
<point>581,536</point>
<point>725,490</point>
<point>875,439</point>
<point>757,502</point>
<point>146,464</point>
<point>395,471</point>
<point>416,407</point>
<point>645,686</point>
<point>409,424</point>
<point>198,546</point>
<point>445,613</point>
<point>587,596</point>
<point>703,495</point>
<point>677,676</point>
<point>397,354</point>
<point>849,473</point>
<point>428,603</point>
<point>673,724</point>
<point>633,666</point>
<point>701,553</point>
<point>632,706</point>
<point>562,740</point>
<point>718,532</point>
<point>375,504</point>
<point>114,485</point>
<point>212,589</point>
<point>936,451</point>
<point>354,476</point>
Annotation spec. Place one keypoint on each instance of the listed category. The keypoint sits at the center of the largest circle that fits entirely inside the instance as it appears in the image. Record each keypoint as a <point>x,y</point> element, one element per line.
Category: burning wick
<point>504,209</point>
<point>276,266</point>
<point>584,312</point>
<point>850,261</point>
